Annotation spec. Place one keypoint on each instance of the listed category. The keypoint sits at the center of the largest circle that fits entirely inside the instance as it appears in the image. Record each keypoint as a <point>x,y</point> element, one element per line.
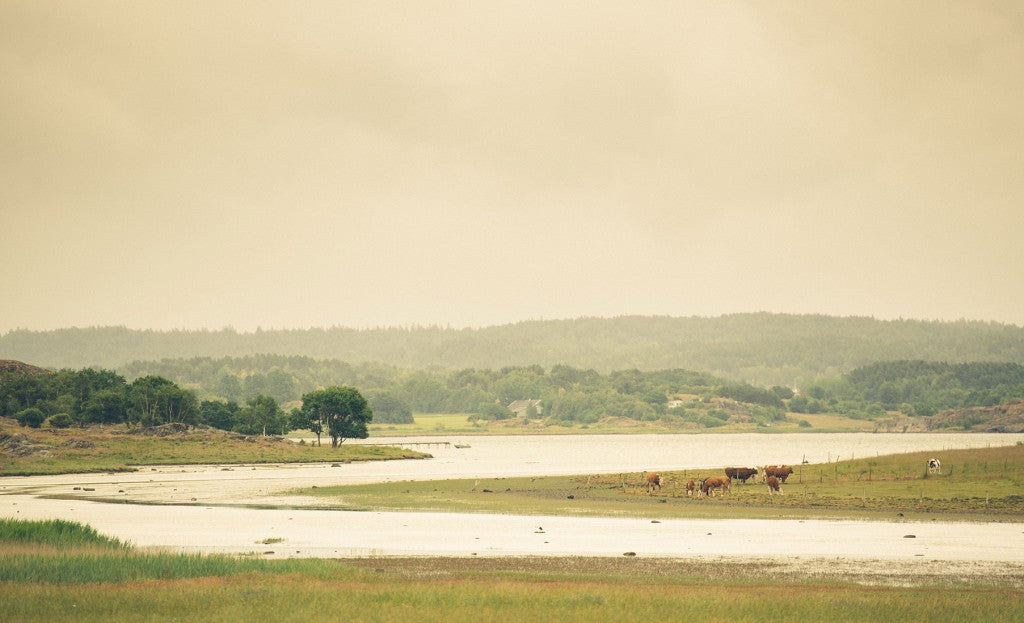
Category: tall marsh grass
<point>78,567</point>
<point>61,552</point>
<point>56,532</point>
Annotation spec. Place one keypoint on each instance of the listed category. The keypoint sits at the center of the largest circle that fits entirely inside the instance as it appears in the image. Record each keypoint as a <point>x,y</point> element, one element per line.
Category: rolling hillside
<point>761,348</point>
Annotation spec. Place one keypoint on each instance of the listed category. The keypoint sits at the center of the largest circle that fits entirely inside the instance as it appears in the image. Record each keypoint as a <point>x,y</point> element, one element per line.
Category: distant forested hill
<point>765,349</point>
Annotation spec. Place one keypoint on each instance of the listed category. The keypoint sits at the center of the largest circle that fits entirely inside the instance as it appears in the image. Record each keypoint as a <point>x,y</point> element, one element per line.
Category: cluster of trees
<point>95,396</point>
<point>246,394</point>
<point>568,394</point>
<point>762,349</point>
<point>89,396</point>
<point>915,388</point>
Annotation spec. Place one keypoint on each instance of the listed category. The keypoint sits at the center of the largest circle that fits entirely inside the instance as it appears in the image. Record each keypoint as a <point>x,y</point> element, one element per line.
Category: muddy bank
<point>333,534</point>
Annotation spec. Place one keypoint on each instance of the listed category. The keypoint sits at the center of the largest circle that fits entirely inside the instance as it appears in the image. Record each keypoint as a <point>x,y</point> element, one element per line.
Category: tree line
<point>271,394</point>
<point>567,394</point>
<point>913,388</point>
<point>761,349</point>
<point>91,396</point>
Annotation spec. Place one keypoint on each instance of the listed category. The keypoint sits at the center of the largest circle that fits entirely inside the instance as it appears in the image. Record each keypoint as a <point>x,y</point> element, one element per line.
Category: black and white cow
<point>934,467</point>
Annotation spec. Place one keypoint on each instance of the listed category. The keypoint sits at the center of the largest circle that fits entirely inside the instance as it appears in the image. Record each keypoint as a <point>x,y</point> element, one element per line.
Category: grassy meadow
<point>976,484</point>
<point>115,448</point>
<point>64,571</point>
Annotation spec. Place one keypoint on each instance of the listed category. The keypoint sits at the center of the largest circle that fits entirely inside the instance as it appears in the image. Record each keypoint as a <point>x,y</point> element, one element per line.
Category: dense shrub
<point>31,417</point>
<point>60,420</point>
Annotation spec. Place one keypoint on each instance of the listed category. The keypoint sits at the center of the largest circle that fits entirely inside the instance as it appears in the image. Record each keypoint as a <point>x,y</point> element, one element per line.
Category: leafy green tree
<point>494,411</point>
<point>341,410</point>
<point>520,384</point>
<point>106,406</point>
<point>798,404</point>
<point>748,393</point>
<point>142,404</point>
<point>425,393</point>
<point>222,415</point>
<point>260,416</point>
<point>61,403</point>
<point>280,385</point>
<point>21,392</point>
<point>388,408</point>
<point>784,393</point>
<point>254,385</point>
<point>229,386</point>
<point>298,419</point>
<point>153,400</point>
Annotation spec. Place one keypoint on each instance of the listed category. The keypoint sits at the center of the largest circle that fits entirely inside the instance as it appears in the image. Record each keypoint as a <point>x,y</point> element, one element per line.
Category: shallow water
<point>210,524</point>
<point>530,455</point>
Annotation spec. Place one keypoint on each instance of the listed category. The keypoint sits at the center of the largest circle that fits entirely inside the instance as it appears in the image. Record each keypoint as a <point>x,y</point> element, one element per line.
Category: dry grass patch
<point>117,448</point>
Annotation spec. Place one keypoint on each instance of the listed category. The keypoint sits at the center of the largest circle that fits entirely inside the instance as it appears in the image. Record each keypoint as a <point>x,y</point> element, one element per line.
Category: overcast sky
<point>279,164</point>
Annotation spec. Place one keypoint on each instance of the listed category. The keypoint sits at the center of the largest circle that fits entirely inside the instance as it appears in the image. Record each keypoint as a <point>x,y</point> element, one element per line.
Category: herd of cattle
<point>771,475</point>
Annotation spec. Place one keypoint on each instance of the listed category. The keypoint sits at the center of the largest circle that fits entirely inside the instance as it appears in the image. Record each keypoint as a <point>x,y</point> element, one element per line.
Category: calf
<point>934,467</point>
<point>653,480</point>
<point>773,485</point>
<point>690,487</point>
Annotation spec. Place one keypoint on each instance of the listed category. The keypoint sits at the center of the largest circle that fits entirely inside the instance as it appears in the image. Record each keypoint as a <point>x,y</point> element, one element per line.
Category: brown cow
<point>781,472</point>
<point>653,480</point>
<point>741,473</point>
<point>690,487</point>
<point>773,485</point>
<point>716,482</point>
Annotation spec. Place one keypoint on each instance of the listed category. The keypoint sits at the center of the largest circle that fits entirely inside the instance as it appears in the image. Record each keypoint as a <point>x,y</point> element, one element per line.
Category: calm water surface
<point>531,455</point>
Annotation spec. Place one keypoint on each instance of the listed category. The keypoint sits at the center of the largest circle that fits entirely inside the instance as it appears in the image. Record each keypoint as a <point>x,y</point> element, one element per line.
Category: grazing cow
<point>653,480</point>
<point>781,472</point>
<point>716,483</point>
<point>741,473</point>
<point>773,485</point>
<point>934,467</point>
<point>690,487</point>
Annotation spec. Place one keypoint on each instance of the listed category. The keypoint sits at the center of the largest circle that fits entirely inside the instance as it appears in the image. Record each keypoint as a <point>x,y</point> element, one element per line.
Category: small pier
<point>427,444</point>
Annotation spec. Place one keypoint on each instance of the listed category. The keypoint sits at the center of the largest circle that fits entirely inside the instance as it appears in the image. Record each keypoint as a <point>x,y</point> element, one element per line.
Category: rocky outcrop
<point>1005,418</point>
<point>163,430</point>
<point>19,444</point>
<point>10,367</point>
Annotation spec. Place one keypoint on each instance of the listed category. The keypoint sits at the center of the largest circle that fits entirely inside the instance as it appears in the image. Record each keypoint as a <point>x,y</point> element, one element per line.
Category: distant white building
<point>520,407</point>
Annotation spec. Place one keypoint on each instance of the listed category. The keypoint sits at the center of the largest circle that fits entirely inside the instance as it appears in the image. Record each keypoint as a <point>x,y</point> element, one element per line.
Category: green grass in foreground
<point>92,579</point>
<point>55,532</point>
<point>982,483</point>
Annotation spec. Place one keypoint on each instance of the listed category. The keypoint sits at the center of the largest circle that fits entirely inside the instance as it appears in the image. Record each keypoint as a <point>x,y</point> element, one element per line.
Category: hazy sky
<point>279,164</point>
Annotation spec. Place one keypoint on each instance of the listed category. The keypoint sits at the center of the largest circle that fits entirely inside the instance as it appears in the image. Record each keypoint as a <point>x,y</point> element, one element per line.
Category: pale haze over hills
<point>192,164</point>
